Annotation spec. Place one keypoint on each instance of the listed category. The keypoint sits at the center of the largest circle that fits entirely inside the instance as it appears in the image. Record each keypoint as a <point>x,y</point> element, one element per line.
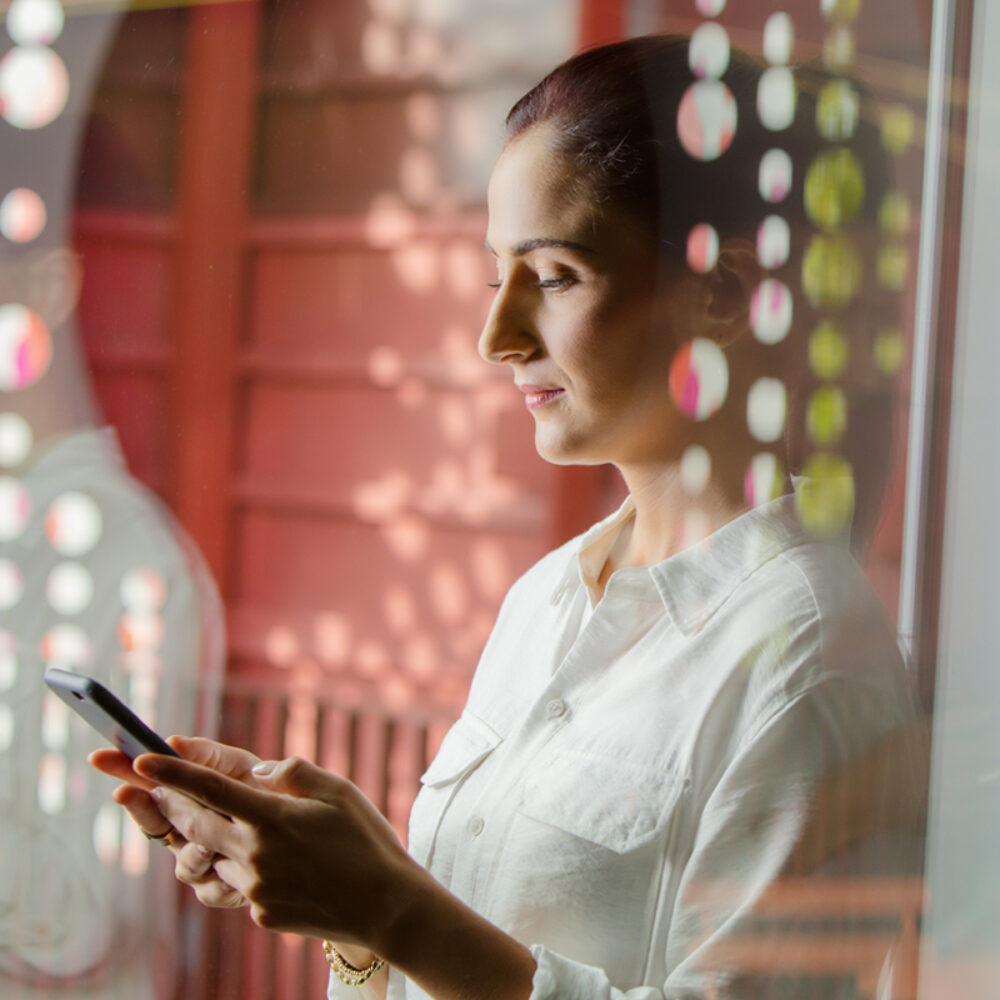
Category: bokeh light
<point>840,10</point>
<point>6,727</point>
<point>11,584</point>
<point>140,632</point>
<point>35,22</point>
<point>831,272</point>
<point>66,646</point>
<point>108,833</point>
<point>73,524</point>
<point>55,722</point>
<point>695,469</point>
<point>776,97</point>
<point>764,479</point>
<point>708,51</point>
<point>774,179</point>
<point>16,439</point>
<point>771,311</point>
<point>69,588</point>
<point>898,128</point>
<point>702,248</point>
<point>837,111</point>
<point>710,8</point>
<point>706,119</point>
<point>834,188</point>
<point>892,266</point>
<point>25,347</point>
<point>826,415</point>
<point>894,214</point>
<point>34,86</point>
<point>838,48</point>
<point>22,215</point>
<point>767,409</point>
<point>699,378</point>
<point>695,526</point>
<point>15,508</point>
<point>889,350</point>
<point>143,590</point>
<point>779,39</point>
<point>52,784</point>
<point>774,239</point>
<point>8,659</point>
<point>824,497</point>
<point>828,350</point>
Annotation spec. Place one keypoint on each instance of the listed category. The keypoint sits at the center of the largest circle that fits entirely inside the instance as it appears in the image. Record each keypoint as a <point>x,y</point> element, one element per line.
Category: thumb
<point>294,776</point>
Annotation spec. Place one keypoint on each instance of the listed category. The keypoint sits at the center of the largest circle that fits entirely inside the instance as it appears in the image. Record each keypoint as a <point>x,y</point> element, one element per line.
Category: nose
<point>509,334</point>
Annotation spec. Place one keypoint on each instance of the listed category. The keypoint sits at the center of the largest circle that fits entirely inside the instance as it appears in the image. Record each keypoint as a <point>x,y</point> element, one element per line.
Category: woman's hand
<point>192,861</point>
<point>306,850</point>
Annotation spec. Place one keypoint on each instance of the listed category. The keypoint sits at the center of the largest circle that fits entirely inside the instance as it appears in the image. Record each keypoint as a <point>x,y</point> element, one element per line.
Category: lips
<point>536,396</point>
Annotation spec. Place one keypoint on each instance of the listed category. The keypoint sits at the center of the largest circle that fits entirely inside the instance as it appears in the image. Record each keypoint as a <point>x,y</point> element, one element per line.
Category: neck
<point>667,519</point>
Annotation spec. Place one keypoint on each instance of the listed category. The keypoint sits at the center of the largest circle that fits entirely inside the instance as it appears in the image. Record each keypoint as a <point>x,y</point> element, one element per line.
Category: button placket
<point>555,709</point>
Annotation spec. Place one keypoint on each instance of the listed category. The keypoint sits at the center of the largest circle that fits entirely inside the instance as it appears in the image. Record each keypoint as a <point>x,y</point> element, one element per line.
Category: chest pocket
<point>614,804</point>
<point>466,745</point>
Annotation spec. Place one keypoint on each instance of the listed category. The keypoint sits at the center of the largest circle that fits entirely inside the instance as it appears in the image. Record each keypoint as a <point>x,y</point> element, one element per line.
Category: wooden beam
<point>214,177</point>
<point>601,21</point>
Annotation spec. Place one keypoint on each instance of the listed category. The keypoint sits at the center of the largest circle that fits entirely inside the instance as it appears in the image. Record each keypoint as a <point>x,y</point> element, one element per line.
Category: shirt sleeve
<point>756,828</point>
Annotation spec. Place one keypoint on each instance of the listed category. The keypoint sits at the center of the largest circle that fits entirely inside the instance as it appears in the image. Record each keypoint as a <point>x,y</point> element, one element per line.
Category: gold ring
<point>160,838</point>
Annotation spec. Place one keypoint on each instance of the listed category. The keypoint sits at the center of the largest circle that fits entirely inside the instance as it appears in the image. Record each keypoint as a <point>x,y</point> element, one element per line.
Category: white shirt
<point>601,775</point>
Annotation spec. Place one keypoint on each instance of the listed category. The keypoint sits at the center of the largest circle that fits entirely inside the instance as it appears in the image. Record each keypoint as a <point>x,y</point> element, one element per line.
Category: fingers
<point>295,776</point>
<point>193,864</point>
<point>207,786</point>
<point>198,824</point>
<point>195,867</point>
<point>143,810</point>
<point>232,761</point>
<point>117,765</point>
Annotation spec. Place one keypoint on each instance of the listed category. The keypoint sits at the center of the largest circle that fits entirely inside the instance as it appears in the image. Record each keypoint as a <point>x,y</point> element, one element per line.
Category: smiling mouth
<point>536,397</point>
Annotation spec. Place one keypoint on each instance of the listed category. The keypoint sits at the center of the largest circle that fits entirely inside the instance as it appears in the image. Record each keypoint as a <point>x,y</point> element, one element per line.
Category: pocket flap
<point>465,745</point>
<point>612,803</point>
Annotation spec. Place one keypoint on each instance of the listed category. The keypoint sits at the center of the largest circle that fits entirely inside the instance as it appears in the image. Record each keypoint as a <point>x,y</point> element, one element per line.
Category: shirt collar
<point>694,583</point>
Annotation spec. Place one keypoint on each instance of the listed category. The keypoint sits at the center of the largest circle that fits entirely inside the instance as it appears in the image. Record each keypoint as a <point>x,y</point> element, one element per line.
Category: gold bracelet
<point>348,974</point>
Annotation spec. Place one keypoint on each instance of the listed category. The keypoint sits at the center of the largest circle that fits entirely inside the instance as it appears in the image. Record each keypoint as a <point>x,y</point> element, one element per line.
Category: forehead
<point>536,192</point>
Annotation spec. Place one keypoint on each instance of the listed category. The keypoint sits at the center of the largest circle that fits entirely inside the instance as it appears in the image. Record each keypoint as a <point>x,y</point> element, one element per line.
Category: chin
<point>564,451</point>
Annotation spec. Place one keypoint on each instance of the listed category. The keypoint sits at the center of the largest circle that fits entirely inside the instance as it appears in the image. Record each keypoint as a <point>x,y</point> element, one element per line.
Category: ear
<point>731,282</point>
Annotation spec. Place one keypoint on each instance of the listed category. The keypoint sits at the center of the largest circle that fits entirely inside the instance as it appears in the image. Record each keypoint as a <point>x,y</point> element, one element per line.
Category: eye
<point>558,284</point>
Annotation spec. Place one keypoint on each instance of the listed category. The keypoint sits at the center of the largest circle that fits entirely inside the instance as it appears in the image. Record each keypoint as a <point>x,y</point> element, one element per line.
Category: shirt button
<point>476,826</point>
<point>556,708</point>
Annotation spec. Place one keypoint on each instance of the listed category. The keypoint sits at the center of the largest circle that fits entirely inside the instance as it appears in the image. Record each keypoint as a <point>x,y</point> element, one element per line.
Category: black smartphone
<point>109,716</point>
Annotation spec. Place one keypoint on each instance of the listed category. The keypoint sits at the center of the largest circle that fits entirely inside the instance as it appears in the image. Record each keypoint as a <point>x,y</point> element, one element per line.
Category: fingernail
<point>206,852</point>
<point>157,794</point>
<point>264,768</point>
<point>149,766</point>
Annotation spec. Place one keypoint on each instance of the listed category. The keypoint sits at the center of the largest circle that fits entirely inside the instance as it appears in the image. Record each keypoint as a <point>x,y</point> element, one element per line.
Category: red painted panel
<point>426,299</point>
<point>375,449</point>
<point>448,575</point>
<point>133,403</point>
<point>125,300</point>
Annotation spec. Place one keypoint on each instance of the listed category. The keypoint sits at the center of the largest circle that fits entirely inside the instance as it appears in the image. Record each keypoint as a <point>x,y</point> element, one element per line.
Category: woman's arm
<point>311,855</point>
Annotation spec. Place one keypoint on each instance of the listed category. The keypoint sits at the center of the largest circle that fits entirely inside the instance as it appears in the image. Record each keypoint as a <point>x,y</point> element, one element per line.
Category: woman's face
<point>579,313</point>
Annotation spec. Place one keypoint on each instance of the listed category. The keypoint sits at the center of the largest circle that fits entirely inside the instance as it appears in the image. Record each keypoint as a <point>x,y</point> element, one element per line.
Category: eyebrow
<point>526,246</point>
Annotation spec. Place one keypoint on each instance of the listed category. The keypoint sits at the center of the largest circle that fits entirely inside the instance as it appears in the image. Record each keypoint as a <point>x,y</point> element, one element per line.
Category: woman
<point>661,697</point>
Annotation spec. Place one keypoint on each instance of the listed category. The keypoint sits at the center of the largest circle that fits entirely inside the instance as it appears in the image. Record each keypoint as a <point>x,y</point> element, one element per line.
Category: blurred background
<point>245,238</point>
